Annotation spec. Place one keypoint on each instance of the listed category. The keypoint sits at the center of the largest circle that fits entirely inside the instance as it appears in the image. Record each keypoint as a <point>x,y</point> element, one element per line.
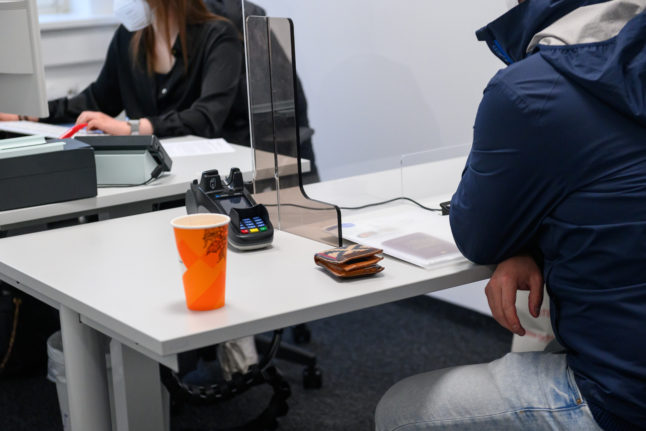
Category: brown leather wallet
<point>351,261</point>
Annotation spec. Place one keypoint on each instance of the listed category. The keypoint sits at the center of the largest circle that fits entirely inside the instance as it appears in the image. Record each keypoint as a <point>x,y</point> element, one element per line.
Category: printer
<point>123,161</point>
<point>38,171</point>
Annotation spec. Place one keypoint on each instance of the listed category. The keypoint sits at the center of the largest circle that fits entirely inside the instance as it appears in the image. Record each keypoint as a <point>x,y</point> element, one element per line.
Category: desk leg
<point>85,370</point>
<point>138,397</point>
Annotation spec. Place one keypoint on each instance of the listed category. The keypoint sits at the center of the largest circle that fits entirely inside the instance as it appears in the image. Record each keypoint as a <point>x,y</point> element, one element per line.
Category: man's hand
<point>516,273</point>
<point>103,122</point>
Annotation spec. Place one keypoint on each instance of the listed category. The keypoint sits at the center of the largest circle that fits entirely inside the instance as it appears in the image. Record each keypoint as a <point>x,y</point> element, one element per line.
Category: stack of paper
<point>406,232</point>
<point>197,147</point>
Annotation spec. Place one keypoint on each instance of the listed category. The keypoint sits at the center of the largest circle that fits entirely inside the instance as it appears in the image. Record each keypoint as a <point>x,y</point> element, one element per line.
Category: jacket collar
<point>509,35</point>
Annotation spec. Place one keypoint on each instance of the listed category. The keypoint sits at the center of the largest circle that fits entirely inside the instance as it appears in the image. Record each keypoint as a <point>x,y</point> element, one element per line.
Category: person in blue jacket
<point>554,188</point>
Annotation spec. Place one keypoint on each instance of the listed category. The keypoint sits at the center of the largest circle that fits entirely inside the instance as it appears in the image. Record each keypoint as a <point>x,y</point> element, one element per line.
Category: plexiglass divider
<point>276,134</point>
<point>433,172</point>
<point>399,209</point>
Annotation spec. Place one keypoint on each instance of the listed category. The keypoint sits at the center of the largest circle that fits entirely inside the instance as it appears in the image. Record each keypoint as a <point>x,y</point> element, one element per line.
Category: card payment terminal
<point>250,227</point>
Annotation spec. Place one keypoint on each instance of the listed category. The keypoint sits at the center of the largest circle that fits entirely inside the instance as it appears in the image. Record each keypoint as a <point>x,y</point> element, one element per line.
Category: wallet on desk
<point>350,261</point>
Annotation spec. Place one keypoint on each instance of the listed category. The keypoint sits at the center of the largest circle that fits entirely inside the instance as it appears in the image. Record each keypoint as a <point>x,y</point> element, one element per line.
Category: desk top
<point>184,170</point>
<point>123,276</point>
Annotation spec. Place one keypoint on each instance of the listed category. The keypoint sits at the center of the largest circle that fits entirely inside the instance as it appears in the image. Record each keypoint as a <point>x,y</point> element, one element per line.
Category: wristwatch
<point>134,127</point>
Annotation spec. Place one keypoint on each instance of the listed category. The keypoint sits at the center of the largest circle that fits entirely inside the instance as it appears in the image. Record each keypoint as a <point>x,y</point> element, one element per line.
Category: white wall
<point>75,43</point>
<point>69,71</point>
<point>388,77</point>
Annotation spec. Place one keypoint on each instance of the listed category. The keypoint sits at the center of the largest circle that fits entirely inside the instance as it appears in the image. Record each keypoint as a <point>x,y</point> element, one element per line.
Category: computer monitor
<point>22,76</point>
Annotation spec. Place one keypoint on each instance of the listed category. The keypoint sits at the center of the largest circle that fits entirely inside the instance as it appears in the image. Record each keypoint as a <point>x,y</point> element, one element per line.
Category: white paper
<point>406,232</point>
<point>197,147</point>
<point>32,128</point>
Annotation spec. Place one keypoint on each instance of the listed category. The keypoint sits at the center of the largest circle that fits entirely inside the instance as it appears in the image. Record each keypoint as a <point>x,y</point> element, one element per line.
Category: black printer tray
<point>46,178</point>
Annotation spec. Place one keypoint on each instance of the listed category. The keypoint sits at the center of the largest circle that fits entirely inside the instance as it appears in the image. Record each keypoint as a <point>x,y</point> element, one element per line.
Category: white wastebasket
<point>56,374</point>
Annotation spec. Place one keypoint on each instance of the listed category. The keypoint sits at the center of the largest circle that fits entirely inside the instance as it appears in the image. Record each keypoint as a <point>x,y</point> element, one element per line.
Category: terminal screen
<point>236,201</point>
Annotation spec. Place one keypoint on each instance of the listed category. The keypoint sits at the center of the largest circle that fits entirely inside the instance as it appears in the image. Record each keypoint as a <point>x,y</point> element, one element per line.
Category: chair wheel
<point>312,378</point>
<point>301,334</point>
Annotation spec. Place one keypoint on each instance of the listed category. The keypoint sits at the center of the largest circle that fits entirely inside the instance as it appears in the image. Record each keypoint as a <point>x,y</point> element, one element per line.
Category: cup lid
<point>200,221</point>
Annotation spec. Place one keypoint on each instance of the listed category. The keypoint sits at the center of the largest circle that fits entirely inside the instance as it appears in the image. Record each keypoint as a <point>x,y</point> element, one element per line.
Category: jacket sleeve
<point>511,181</point>
<point>221,74</point>
<point>102,95</point>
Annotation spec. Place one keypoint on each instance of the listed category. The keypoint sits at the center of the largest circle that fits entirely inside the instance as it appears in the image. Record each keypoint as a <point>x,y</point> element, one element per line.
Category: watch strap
<point>134,127</point>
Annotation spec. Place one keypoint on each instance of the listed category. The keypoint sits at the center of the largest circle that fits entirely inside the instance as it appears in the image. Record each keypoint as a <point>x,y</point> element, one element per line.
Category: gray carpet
<point>361,354</point>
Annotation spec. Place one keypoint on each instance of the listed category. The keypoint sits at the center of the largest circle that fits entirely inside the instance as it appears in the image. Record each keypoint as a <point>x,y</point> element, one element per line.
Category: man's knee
<point>431,399</point>
<point>408,402</point>
<point>388,415</point>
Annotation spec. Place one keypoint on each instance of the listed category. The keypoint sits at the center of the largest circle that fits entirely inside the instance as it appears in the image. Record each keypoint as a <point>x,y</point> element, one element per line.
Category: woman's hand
<point>103,122</point>
<point>8,117</point>
<point>13,117</point>
<point>515,273</point>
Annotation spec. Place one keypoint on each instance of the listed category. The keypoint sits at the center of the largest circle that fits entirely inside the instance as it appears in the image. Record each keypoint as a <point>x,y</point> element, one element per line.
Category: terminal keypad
<point>252,225</point>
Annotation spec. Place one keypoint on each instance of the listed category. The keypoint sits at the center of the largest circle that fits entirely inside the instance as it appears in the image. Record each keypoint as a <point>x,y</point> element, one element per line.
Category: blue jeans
<point>520,391</point>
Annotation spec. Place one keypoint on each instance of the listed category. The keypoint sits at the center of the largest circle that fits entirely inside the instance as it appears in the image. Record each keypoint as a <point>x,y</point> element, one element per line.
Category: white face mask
<point>511,4</point>
<point>133,14</point>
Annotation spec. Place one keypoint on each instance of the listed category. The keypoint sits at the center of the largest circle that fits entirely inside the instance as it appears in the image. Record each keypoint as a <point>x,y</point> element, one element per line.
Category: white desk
<point>133,200</point>
<point>121,277</point>
<point>428,183</point>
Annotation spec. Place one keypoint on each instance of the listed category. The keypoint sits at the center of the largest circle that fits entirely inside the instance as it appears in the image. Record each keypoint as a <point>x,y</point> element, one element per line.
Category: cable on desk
<point>389,201</point>
<point>301,206</point>
<point>359,207</point>
<point>104,186</point>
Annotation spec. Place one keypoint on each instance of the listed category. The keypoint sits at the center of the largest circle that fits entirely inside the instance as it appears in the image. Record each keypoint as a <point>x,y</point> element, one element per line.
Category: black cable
<point>104,186</point>
<point>359,207</point>
<point>301,206</point>
<point>389,201</point>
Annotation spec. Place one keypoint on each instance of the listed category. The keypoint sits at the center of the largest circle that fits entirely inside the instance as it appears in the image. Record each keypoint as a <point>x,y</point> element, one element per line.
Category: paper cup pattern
<point>203,250</point>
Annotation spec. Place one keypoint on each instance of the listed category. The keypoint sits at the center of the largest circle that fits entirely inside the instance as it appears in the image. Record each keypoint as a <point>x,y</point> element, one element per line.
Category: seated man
<point>556,178</point>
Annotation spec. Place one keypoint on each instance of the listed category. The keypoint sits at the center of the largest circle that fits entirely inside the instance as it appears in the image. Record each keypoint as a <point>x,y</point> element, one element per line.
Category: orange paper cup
<point>202,245</point>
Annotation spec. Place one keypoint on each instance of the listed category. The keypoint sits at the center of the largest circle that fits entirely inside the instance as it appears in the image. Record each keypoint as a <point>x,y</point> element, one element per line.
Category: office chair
<point>204,386</point>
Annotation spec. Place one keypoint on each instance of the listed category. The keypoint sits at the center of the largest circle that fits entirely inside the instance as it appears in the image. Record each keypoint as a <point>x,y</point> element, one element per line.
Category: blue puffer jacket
<point>558,164</point>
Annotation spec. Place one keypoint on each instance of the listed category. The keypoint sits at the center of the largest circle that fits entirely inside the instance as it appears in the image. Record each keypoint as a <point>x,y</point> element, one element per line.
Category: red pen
<point>71,132</point>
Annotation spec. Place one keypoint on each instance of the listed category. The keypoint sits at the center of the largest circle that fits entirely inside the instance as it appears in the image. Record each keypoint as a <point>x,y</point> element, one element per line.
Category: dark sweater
<point>208,100</point>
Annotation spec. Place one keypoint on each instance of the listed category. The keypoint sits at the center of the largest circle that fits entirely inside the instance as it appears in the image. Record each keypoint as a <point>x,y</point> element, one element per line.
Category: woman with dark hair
<point>173,67</point>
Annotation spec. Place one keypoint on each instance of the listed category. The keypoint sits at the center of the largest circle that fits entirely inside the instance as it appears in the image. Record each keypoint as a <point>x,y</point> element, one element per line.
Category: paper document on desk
<point>32,128</point>
<point>406,232</point>
<point>198,147</point>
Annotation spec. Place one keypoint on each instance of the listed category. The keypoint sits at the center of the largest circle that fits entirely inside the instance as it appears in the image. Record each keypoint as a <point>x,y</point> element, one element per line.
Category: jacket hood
<point>509,35</point>
<point>613,70</point>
